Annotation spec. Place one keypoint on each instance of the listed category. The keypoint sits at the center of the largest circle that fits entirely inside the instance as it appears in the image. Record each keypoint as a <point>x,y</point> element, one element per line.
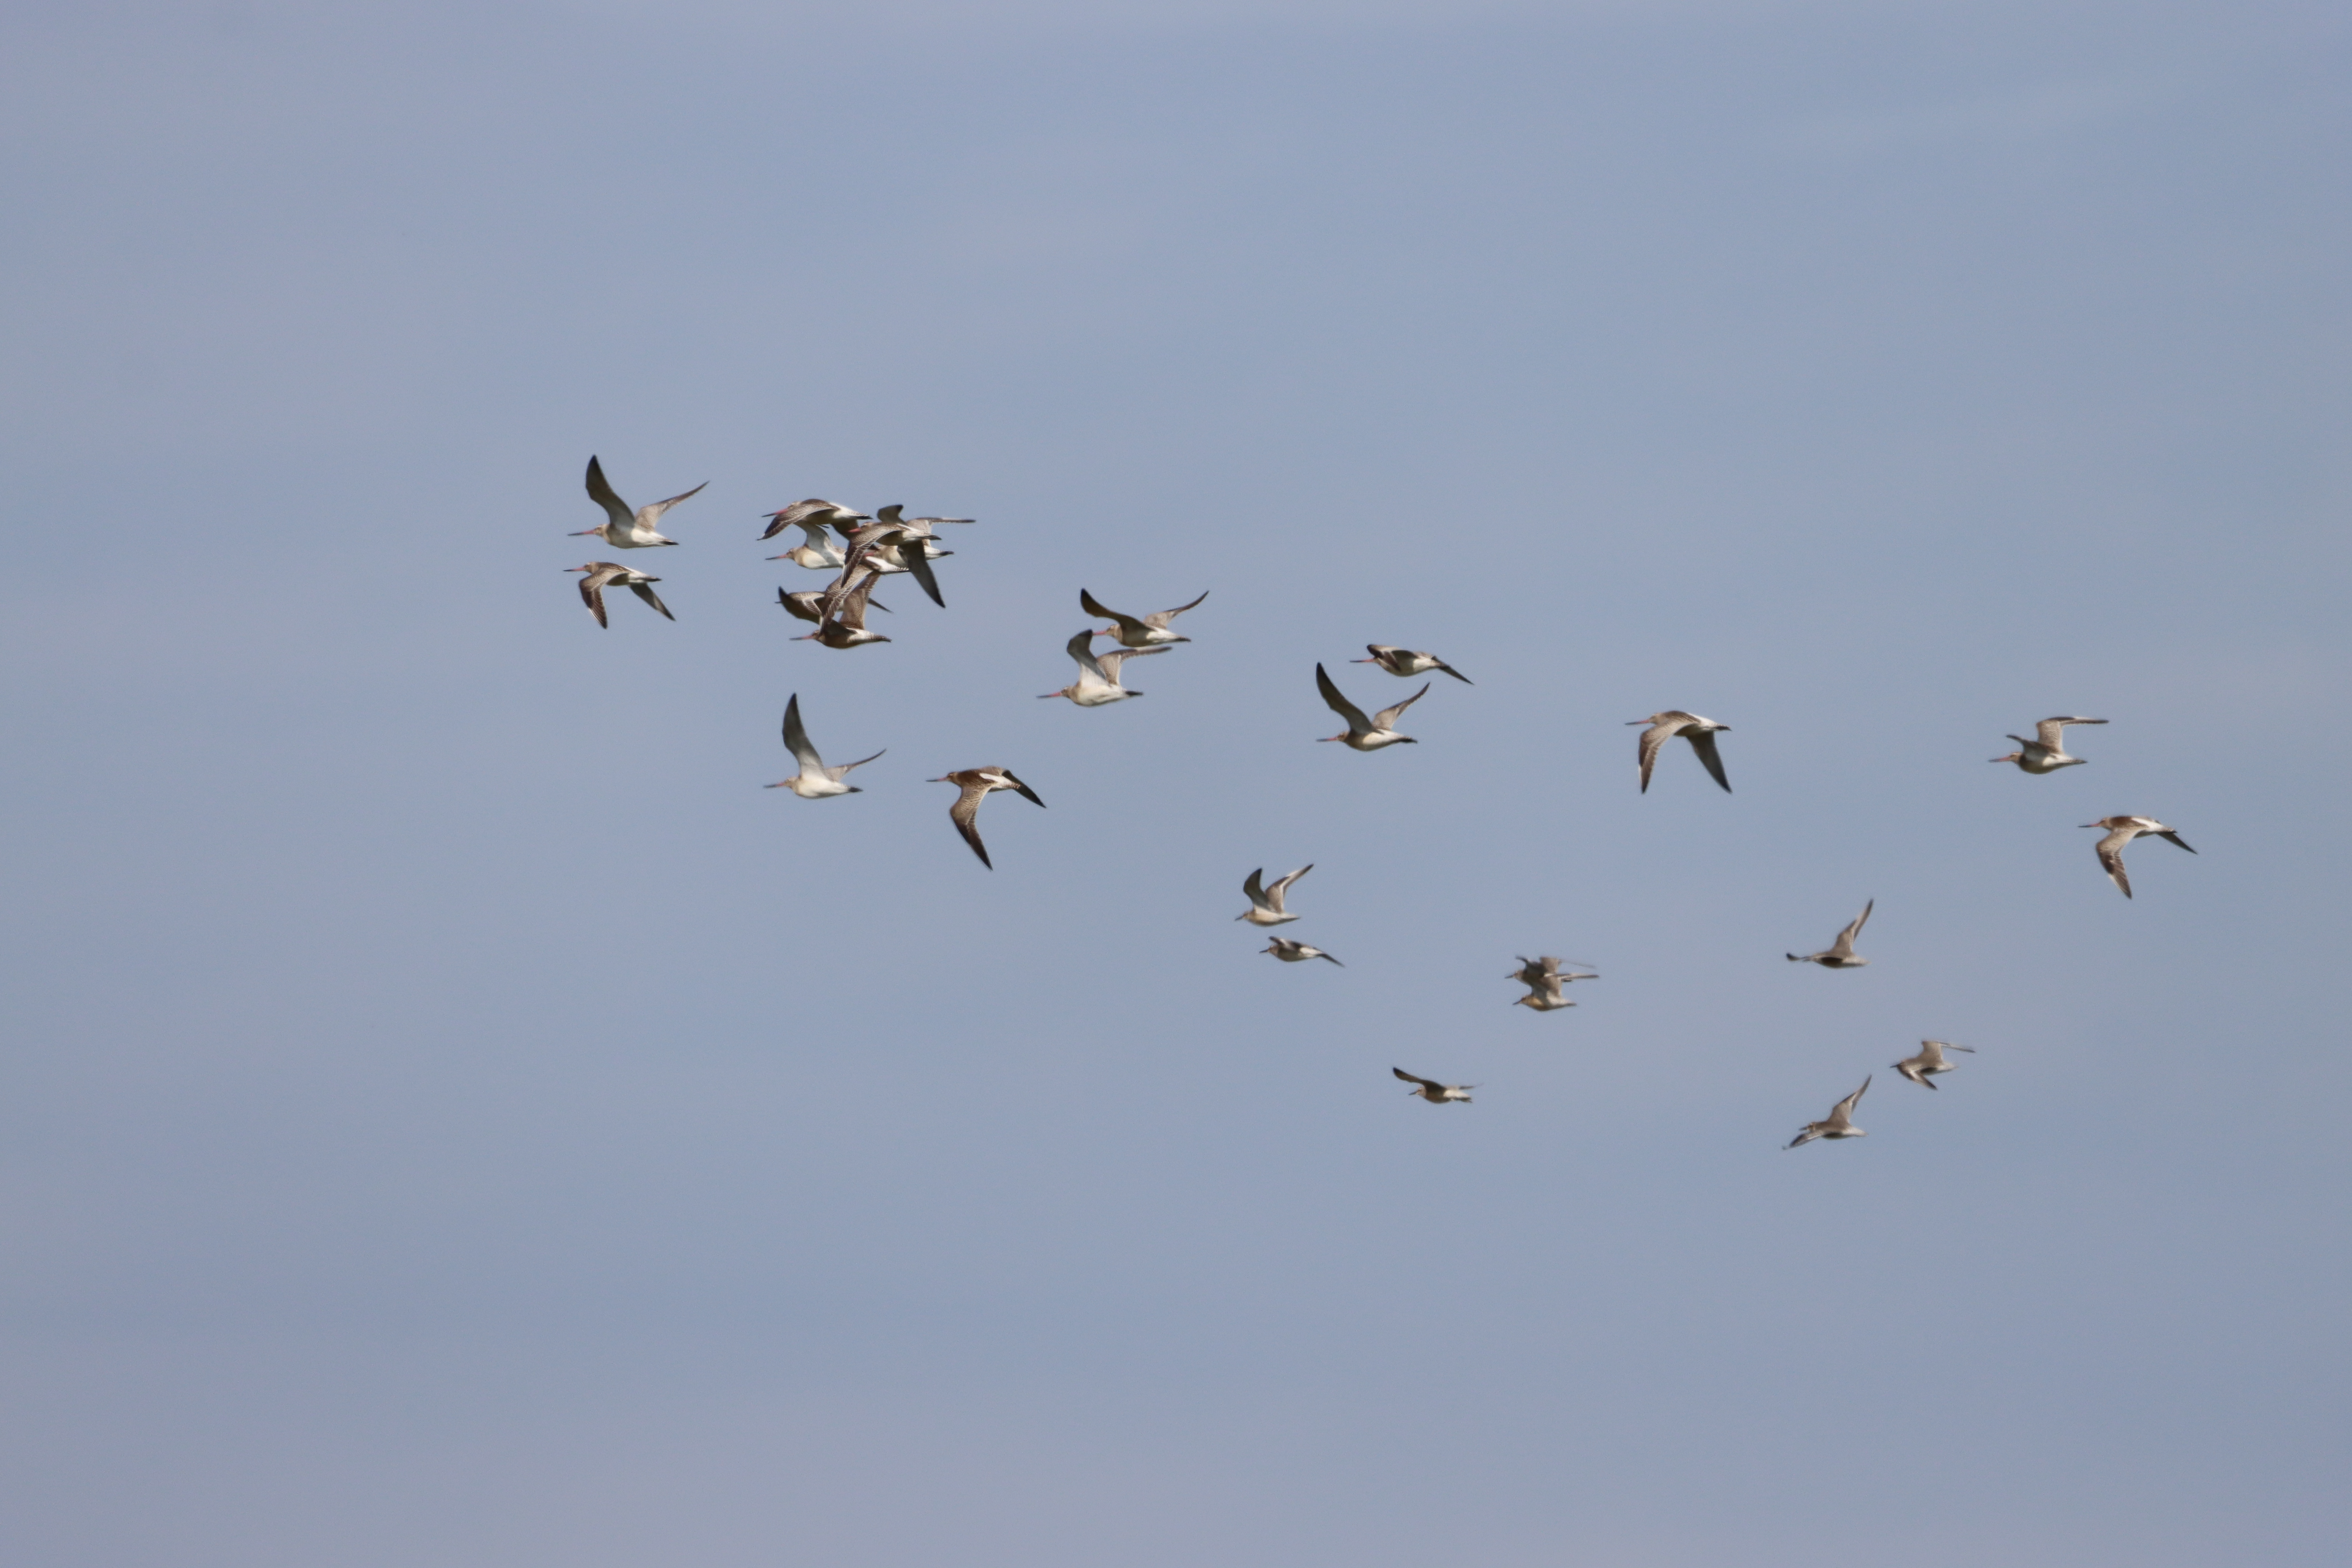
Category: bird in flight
<point>1098,682</point>
<point>1266,903</point>
<point>2046,752</point>
<point>1546,981</point>
<point>1136,631</point>
<point>602,574</point>
<point>1840,1123</point>
<point>1436,1094</point>
<point>1922,1069</point>
<point>1290,951</point>
<point>814,781</point>
<point>1840,954</point>
<point>976,784</point>
<point>1405,661</point>
<point>1365,734</point>
<point>2122,830</point>
<point>1700,733</point>
<point>623,528</point>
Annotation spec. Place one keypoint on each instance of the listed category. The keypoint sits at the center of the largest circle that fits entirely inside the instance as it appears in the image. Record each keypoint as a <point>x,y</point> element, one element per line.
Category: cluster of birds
<point>861,548</point>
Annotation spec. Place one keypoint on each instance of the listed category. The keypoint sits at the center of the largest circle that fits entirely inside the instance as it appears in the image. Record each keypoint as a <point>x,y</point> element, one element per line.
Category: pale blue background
<point>453,1115</point>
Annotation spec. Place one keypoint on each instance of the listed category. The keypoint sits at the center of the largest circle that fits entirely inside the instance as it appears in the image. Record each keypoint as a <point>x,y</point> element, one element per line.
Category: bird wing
<point>1842,1113</point>
<point>2051,732</point>
<point>1357,724</point>
<point>1386,717</point>
<point>1413,1077</point>
<point>797,515</point>
<point>591,593</point>
<point>2165,833</point>
<point>796,739</point>
<point>1455,673</point>
<point>837,774</point>
<point>1275,894</point>
<point>1128,625</point>
<point>600,490</point>
<point>851,612</point>
<point>1022,789</point>
<point>1109,662</point>
<point>919,564</point>
<point>965,814</point>
<point>1703,742</point>
<point>1255,886</point>
<point>2110,856</point>
<point>645,591</point>
<point>1159,619</point>
<point>649,515</point>
<point>802,604</point>
<point>1081,648</point>
<point>1843,946</point>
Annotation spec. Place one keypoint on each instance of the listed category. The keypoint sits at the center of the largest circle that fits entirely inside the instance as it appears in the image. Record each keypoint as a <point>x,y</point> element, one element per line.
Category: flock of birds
<point>861,548</point>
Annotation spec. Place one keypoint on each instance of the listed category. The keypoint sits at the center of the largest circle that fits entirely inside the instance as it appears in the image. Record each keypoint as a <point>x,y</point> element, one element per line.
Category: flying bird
<point>976,784</point>
<point>1840,1123</point>
<point>1434,1092</point>
<point>623,528</point>
<point>1365,734</point>
<point>1700,733</point>
<point>1136,631</point>
<point>814,781</point>
<point>1266,903</point>
<point>1546,981</point>
<point>2122,830</point>
<point>1922,1069</point>
<point>1405,661</point>
<point>1290,951</point>
<point>809,605</point>
<point>604,574</point>
<point>818,553</point>
<point>1097,681</point>
<point>811,516</point>
<point>840,622</point>
<point>1840,954</point>
<point>2046,752</point>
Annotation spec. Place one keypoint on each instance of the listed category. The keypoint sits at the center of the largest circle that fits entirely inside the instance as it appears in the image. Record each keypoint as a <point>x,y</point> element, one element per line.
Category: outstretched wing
<point>1412,1078</point>
<point>1654,741</point>
<point>600,490</point>
<point>1109,662</point>
<point>644,591</point>
<point>2166,834</point>
<point>965,814</point>
<point>2110,856</point>
<point>1024,791</point>
<point>1843,946</point>
<point>1160,619</point>
<point>1357,724</point>
<point>2051,732</point>
<point>1386,717</point>
<point>1081,648</point>
<point>648,516</point>
<point>1703,742</point>
<point>1128,625</point>
<point>592,593</point>
<point>1841,1113</point>
<point>1255,886</point>
<point>1284,885</point>
<point>796,739</point>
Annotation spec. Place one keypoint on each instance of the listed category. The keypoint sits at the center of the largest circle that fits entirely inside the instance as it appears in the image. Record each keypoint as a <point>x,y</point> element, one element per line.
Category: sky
<point>452,1113</point>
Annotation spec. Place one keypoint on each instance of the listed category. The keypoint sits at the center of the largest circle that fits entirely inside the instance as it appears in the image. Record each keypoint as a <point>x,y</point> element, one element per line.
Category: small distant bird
<point>1700,733</point>
<point>604,574</point>
<point>2122,830</point>
<point>1922,1069</point>
<point>1546,981</point>
<point>1097,681</point>
<point>1840,1123</point>
<point>1136,631</point>
<point>842,624</point>
<point>1266,903</point>
<point>1290,951</point>
<point>1365,734</point>
<point>870,539</point>
<point>809,605</point>
<point>1434,1092</point>
<point>814,781</point>
<point>2046,752</point>
<point>623,528</point>
<point>976,784</point>
<point>818,553</point>
<point>1405,661</point>
<point>811,516</point>
<point>1840,954</point>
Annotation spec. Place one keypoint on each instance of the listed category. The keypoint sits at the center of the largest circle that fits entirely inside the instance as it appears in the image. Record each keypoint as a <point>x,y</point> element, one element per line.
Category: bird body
<point>1136,631</point>
<point>1405,662</point>
<point>623,528</point>
<point>1700,733</point>
<point>976,784</point>
<point>1434,1092</point>
<point>2046,752</point>
<point>1290,951</point>
<point>1840,1123</point>
<point>840,617</point>
<point>1840,954</point>
<point>2122,830</point>
<point>1266,903</point>
<point>814,781</point>
<point>1365,734</point>
<point>811,516</point>
<point>819,554</point>
<point>1097,681</point>
<point>602,574</point>
<point>1921,1069</point>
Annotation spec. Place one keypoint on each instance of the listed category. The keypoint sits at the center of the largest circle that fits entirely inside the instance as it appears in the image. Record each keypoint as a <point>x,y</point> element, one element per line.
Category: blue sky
<point>454,1113</point>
